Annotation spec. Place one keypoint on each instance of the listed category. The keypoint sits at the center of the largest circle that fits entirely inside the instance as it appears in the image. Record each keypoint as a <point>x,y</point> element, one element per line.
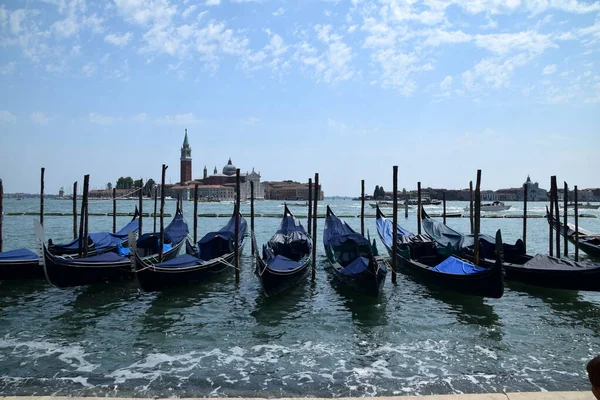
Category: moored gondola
<point>62,271</point>
<point>540,270</point>
<point>285,258</point>
<point>589,242</point>
<point>20,264</point>
<point>422,258</point>
<point>353,259</point>
<point>212,255</point>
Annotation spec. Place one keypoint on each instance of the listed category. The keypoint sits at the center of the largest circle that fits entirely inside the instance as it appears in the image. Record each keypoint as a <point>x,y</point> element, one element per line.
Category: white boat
<point>495,206</point>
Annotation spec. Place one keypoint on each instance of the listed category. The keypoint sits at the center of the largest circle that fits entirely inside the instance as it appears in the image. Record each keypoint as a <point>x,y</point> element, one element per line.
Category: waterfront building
<point>534,192</point>
<point>288,190</point>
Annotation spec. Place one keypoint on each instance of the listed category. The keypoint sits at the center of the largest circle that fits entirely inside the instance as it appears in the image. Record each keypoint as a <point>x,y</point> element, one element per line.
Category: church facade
<point>219,185</point>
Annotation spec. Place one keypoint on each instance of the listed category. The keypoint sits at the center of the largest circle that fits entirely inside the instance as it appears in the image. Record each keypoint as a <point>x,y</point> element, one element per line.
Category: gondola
<point>285,258</point>
<point>212,255</point>
<point>20,264</point>
<point>540,270</point>
<point>589,242</point>
<point>422,258</point>
<point>110,266</point>
<point>99,242</point>
<point>353,259</point>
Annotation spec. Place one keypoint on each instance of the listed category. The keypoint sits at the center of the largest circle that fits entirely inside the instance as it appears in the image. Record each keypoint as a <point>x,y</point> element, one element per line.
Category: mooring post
<point>236,236</point>
<point>362,207</point>
<point>42,197</point>
<point>444,202</point>
<point>525,217</point>
<point>419,205</point>
<point>74,210</point>
<point>252,215</point>
<point>576,224</point>
<point>155,210</point>
<point>565,227</point>
<point>317,193</point>
<point>195,213</point>
<point>141,205</point>
<point>114,194</point>
<point>406,205</point>
<point>471,206</point>
<point>1,212</point>
<point>395,223</point>
<point>86,190</point>
<point>81,223</point>
<point>551,220</point>
<point>477,216</point>
<point>557,218</point>
<point>310,196</point>
<point>162,212</point>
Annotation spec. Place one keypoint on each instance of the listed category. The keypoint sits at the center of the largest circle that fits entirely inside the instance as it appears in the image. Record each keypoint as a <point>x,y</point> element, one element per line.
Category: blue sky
<point>344,88</point>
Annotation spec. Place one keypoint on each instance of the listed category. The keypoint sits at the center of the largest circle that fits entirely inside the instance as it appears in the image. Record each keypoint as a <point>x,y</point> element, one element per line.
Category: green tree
<point>109,186</point>
<point>381,192</point>
<point>376,192</point>
<point>125,183</point>
<point>149,187</point>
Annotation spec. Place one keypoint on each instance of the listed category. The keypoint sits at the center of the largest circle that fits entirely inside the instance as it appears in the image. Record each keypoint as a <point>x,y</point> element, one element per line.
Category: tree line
<point>128,183</point>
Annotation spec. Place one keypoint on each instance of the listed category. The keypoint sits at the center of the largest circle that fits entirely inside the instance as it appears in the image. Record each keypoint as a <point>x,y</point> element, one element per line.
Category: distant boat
<point>587,206</point>
<point>305,204</point>
<point>495,206</point>
<point>387,204</point>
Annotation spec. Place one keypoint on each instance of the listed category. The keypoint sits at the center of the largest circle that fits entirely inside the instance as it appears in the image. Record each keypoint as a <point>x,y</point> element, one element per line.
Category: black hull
<point>21,270</point>
<point>367,282</point>
<point>275,282</point>
<point>80,273</point>
<point>591,250</point>
<point>590,245</point>
<point>152,279</point>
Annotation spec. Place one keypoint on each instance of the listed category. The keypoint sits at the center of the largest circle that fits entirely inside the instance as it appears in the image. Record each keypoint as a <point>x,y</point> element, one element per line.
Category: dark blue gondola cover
<point>182,261</point>
<point>216,244</point>
<point>18,255</point>
<point>356,267</point>
<point>100,240</point>
<point>289,243</point>
<point>455,266</point>
<point>104,258</point>
<point>178,229</point>
<point>386,231</point>
<point>337,232</point>
<point>281,263</point>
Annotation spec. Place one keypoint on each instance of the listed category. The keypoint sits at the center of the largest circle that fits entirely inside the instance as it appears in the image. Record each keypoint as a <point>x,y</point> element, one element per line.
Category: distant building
<point>289,190</point>
<point>61,192</point>
<point>186,161</point>
<point>534,192</point>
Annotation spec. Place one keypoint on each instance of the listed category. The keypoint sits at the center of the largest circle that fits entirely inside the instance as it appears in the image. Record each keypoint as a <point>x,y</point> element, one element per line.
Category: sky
<point>347,89</point>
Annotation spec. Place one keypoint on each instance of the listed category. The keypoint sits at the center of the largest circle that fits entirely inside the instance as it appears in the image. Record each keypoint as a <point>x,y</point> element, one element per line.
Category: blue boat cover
<point>281,263</point>
<point>177,230</point>
<point>101,241</point>
<point>386,231</point>
<point>356,267</point>
<point>455,266</point>
<point>104,258</point>
<point>219,243</point>
<point>18,255</point>
<point>337,232</point>
<point>183,261</point>
<point>290,241</point>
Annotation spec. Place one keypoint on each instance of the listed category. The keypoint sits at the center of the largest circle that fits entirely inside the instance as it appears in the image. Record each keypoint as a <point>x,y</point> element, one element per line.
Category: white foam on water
<point>78,379</point>
<point>490,353</point>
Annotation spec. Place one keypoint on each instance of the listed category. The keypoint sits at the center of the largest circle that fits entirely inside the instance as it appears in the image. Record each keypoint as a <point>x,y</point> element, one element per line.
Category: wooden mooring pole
<point>162,212</point>
<point>395,224</point>
<point>551,221</point>
<point>236,235</point>
<point>444,202</point>
<point>155,202</point>
<point>419,205</point>
<point>555,205</point>
<point>406,205</point>
<point>309,221</point>
<point>317,193</point>
<point>362,207</point>
<point>141,205</point>
<point>471,206</point>
<point>84,215</point>
<point>114,193</point>
<point>1,213</point>
<point>74,210</point>
<point>42,197</point>
<point>252,214</point>
<point>565,227</point>
<point>195,213</point>
<point>525,217</point>
<point>477,217</point>
<point>576,225</point>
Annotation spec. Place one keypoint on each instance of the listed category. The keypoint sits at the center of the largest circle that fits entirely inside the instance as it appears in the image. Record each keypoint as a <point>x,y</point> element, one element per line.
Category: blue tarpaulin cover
<point>356,267</point>
<point>290,242</point>
<point>281,263</point>
<point>183,261</point>
<point>455,266</point>
<point>177,230</point>
<point>337,232</point>
<point>385,229</point>
<point>18,255</point>
<point>219,243</point>
<point>100,240</point>
<point>104,258</point>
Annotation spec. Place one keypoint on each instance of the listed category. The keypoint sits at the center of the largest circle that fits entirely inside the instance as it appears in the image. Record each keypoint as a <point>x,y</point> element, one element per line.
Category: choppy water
<point>226,339</point>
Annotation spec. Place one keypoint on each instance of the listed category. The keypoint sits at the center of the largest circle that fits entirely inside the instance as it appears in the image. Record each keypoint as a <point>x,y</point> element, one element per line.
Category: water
<point>226,339</point>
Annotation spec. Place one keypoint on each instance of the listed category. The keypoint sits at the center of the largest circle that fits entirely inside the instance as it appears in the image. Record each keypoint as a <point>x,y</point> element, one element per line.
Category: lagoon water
<point>226,339</point>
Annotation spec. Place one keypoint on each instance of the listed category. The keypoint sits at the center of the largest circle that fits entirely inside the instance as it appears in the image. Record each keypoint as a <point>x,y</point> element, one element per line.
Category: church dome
<point>229,169</point>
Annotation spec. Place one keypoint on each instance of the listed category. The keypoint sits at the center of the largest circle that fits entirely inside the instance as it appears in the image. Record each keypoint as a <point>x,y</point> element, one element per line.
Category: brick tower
<point>186,160</point>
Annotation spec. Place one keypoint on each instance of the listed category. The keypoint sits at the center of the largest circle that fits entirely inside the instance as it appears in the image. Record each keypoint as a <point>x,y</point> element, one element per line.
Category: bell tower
<point>186,160</point>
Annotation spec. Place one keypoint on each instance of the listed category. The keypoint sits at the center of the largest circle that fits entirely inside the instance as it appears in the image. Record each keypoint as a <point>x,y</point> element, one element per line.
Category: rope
<point>116,198</point>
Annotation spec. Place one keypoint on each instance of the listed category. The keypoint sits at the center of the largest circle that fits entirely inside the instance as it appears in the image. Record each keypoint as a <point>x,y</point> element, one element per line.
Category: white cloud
<point>141,117</point>
<point>178,119</point>
<point>279,12</point>
<point>494,73</point>
<point>446,84</point>
<point>188,11</point>
<point>7,68</point>
<point>549,69</point>
<point>213,2</point>
<point>118,40</point>
<point>7,117</point>
<point>504,43</point>
<point>39,118</point>
<point>252,121</point>
<point>89,69</point>
<point>99,119</point>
